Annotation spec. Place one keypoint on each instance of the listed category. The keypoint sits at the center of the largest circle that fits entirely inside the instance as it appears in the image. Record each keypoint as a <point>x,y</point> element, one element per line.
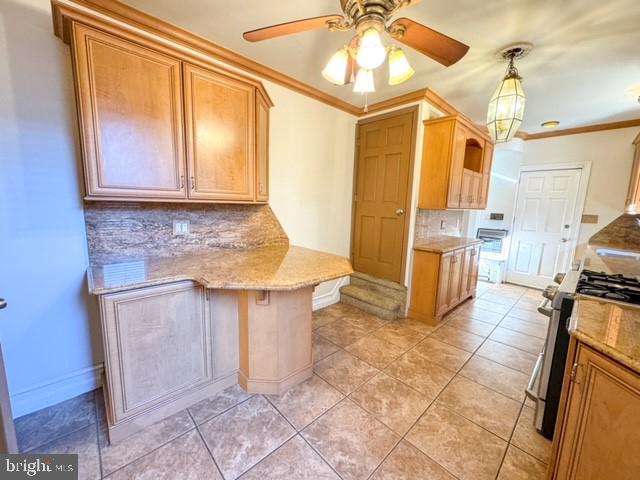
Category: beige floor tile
<point>481,405</point>
<point>443,354</point>
<point>528,315</point>
<point>407,462</point>
<point>508,356</point>
<point>507,299</point>
<point>210,407</point>
<point>458,338</point>
<point>462,447</point>
<point>491,306</point>
<point>364,320</point>
<point>518,465</point>
<point>139,444</point>
<point>375,351</point>
<point>522,326</point>
<point>244,435</point>
<point>471,311</point>
<point>322,347</point>
<point>340,310</point>
<point>83,443</point>
<point>528,303</point>
<point>518,340</point>
<point>528,439</point>
<point>418,372</point>
<point>351,440</point>
<point>416,325</point>
<point>320,318</point>
<point>185,457</point>
<point>392,402</point>
<point>295,460</point>
<point>472,325</point>
<point>344,371</point>
<point>403,337</point>
<point>342,332</point>
<point>502,379</point>
<point>53,422</point>
<point>306,401</point>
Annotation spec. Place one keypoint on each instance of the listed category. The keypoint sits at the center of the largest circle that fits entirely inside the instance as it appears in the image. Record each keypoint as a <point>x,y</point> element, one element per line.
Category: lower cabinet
<point>441,281</point>
<point>599,435</point>
<point>162,353</point>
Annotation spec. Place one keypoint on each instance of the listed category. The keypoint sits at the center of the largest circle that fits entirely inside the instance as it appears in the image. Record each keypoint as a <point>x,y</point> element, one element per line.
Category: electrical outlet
<point>181,227</point>
<point>443,224</point>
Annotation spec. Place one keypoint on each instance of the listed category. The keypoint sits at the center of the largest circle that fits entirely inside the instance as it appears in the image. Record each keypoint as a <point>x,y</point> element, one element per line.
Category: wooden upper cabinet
<point>456,165</point>
<point>138,102</point>
<point>632,205</point>
<point>131,124</point>
<point>262,148</point>
<point>220,125</point>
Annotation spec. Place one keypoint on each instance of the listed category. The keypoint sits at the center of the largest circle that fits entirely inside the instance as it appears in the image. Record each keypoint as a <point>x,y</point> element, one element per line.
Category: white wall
<point>50,333</point>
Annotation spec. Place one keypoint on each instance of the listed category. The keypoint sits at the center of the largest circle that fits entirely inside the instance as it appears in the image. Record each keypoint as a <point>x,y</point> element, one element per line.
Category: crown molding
<point>598,127</point>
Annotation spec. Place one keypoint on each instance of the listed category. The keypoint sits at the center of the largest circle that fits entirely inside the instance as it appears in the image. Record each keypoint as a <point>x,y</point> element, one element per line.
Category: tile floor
<point>389,400</point>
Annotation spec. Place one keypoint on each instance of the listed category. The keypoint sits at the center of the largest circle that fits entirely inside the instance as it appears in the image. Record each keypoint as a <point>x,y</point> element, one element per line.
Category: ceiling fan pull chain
<point>366,103</point>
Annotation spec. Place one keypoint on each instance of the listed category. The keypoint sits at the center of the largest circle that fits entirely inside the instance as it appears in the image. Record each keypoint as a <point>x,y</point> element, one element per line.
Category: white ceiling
<point>586,55</point>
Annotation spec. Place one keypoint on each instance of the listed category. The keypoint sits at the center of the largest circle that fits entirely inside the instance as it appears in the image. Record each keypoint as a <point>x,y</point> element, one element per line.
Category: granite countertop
<point>444,243</point>
<point>281,267</point>
<point>609,327</point>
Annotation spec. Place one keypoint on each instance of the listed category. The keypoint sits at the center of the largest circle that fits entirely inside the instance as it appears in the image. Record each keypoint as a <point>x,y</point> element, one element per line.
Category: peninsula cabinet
<point>456,165</point>
<point>441,281</point>
<point>158,125</point>
<point>599,419</point>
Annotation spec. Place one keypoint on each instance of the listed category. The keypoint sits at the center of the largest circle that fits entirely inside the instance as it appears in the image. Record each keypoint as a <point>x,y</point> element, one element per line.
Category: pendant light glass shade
<point>336,69</point>
<point>364,81</point>
<point>371,52</point>
<point>399,68</point>
<point>506,107</point>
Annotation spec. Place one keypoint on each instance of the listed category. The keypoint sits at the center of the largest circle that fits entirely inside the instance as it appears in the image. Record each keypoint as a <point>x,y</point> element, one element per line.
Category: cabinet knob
<point>193,183</point>
<point>181,182</point>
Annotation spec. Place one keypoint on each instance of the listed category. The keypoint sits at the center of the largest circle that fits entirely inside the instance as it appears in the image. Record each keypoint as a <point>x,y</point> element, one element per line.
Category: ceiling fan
<point>370,18</point>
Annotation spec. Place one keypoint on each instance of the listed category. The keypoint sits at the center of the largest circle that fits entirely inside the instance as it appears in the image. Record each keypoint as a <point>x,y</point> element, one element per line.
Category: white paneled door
<point>544,227</point>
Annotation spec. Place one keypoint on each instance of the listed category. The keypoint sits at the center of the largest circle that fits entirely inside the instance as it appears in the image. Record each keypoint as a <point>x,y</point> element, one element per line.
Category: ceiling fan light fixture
<point>506,107</point>
<point>364,81</point>
<point>336,69</point>
<point>399,68</point>
<point>371,52</point>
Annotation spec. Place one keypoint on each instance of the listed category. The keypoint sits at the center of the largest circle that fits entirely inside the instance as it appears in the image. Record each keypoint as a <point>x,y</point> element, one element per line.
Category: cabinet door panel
<point>455,277</point>
<point>130,105</point>
<point>473,274</point>
<point>220,124</point>
<point>466,190</point>
<point>157,346</point>
<point>262,149</point>
<point>444,281</point>
<point>457,165</point>
<point>601,432</point>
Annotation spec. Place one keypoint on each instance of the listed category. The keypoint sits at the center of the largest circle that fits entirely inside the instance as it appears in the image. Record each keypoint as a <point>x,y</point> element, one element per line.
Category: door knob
<point>400,212</point>
<point>564,240</point>
<point>3,303</point>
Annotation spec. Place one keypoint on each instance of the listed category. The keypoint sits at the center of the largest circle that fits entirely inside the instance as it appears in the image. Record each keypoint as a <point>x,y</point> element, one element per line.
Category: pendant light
<point>399,68</point>
<point>506,107</point>
<point>336,69</point>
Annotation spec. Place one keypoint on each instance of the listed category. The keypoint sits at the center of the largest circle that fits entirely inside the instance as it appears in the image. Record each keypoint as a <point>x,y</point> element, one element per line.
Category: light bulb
<point>364,81</point>
<point>399,68</point>
<point>371,52</point>
<point>336,69</point>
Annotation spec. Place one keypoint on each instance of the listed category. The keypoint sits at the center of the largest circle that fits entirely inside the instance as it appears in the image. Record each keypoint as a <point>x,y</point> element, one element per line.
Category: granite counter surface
<point>608,327</point>
<point>279,267</point>
<point>445,243</point>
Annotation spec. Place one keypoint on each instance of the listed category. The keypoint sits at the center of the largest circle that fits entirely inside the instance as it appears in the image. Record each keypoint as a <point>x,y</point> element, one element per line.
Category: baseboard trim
<point>57,390</point>
<point>331,297</point>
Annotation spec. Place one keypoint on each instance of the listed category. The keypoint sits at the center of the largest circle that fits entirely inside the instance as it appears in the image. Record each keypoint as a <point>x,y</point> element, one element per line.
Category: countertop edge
<point>616,355</point>
<point>434,249</point>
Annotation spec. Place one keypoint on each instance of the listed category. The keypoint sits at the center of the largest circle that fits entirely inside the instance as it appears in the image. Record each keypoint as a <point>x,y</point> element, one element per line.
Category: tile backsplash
<point>430,223</point>
<point>124,230</point>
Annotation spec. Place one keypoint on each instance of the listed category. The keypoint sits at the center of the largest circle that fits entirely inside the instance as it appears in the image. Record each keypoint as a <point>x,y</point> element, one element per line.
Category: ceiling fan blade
<point>289,28</point>
<point>427,41</point>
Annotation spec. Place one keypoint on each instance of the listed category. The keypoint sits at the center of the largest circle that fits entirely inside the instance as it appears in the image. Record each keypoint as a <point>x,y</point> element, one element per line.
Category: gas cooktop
<point>609,287</point>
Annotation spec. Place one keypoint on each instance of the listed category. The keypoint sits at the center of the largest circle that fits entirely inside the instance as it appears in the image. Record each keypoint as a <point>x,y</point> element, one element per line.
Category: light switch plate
<point>181,227</point>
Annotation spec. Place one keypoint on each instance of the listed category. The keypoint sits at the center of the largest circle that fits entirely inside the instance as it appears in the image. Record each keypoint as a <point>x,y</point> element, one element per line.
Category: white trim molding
<point>57,390</point>
<point>332,296</point>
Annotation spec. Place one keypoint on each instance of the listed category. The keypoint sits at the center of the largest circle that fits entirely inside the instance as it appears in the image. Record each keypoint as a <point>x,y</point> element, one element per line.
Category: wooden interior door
<point>545,227</point>
<point>219,112</point>
<point>8,441</point>
<point>130,105</point>
<point>382,182</point>
<point>601,432</point>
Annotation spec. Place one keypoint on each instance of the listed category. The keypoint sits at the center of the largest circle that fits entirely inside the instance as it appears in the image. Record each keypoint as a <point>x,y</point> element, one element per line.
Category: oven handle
<point>532,387</point>
<point>544,309</point>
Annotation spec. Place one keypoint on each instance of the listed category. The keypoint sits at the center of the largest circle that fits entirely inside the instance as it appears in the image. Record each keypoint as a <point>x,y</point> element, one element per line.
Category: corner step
<point>371,301</point>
